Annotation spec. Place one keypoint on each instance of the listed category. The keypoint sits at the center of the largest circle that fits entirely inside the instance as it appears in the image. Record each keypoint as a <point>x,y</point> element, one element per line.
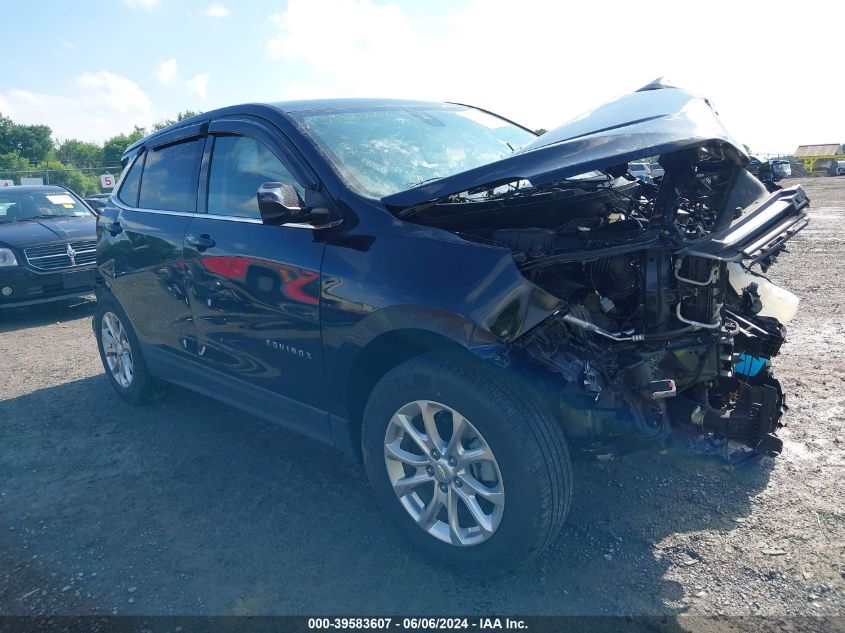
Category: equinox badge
<point>289,349</point>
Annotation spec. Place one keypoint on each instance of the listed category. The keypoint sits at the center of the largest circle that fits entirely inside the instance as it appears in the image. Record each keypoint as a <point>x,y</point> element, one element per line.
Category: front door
<point>255,288</point>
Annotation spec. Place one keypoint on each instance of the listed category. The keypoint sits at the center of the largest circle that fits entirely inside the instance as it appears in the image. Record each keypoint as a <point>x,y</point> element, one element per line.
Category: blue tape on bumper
<point>749,365</point>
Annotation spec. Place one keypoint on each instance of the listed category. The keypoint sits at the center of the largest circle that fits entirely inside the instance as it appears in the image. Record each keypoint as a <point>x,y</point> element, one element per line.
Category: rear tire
<point>501,418</point>
<point>121,354</point>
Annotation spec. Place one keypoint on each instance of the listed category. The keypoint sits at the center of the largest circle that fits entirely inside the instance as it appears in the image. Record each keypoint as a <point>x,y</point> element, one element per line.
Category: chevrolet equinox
<point>452,299</point>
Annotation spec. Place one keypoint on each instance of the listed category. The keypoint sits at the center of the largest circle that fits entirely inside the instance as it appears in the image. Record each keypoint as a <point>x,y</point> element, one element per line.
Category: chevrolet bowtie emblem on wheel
<point>71,255</point>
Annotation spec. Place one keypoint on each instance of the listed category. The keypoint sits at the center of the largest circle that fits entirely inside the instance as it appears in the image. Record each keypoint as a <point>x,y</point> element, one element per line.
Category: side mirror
<point>279,203</point>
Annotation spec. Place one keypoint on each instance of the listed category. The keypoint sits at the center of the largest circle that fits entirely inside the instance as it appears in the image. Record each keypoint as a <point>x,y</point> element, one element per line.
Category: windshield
<point>16,206</point>
<point>381,151</point>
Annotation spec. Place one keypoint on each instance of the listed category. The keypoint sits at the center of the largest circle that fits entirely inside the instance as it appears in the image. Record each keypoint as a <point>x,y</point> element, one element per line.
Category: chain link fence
<point>83,181</point>
<point>771,156</point>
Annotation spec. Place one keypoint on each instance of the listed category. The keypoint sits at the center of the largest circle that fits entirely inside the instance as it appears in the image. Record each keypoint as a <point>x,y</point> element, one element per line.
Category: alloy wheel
<point>444,473</point>
<point>117,350</point>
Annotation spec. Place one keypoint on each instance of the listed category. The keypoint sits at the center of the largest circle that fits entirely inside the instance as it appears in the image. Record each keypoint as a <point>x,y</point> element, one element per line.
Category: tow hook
<point>659,389</point>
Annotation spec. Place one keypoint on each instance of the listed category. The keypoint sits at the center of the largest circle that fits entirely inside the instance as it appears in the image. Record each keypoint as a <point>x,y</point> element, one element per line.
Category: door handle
<point>113,227</point>
<point>200,242</point>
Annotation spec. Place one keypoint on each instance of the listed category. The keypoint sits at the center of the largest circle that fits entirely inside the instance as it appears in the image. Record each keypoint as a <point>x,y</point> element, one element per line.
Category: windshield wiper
<point>422,182</point>
<point>46,216</point>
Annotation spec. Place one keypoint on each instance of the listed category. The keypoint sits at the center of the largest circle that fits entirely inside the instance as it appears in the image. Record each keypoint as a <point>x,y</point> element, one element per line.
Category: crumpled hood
<point>652,121</point>
<point>39,231</point>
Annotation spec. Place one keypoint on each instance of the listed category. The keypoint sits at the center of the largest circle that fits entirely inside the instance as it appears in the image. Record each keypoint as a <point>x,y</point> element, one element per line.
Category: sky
<point>94,68</point>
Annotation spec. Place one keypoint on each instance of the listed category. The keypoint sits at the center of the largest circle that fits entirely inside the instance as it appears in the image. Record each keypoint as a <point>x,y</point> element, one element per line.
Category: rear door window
<point>170,177</point>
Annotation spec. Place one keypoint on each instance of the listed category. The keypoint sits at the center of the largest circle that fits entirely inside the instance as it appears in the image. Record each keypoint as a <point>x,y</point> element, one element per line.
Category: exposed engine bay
<point>668,323</point>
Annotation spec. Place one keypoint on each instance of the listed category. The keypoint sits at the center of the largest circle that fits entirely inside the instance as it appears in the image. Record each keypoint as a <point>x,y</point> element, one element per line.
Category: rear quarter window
<point>129,188</point>
<point>169,182</point>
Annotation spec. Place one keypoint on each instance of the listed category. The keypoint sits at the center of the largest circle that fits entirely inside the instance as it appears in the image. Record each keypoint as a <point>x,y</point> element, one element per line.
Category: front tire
<point>121,354</point>
<point>468,463</point>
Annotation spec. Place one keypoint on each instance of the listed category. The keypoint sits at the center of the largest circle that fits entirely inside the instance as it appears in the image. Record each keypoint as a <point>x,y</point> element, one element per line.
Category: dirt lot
<point>190,507</point>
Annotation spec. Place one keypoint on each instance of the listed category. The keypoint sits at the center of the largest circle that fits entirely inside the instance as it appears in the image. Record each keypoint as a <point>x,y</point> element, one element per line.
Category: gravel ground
<point>191,507</point>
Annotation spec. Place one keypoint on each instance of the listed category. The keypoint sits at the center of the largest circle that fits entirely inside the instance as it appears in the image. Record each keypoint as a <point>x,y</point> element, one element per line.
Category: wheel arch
<point>383,340</point>
<point>380,355</point>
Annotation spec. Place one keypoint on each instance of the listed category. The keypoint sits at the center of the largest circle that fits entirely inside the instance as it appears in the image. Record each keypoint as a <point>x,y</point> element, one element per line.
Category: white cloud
<point>359,31</point>
<point>141,4</point>
<point>24,98</point>
<point>166,72</point>
<point>119,93</point>
<point>216,10</point>
<point>559,59</point>
<point>199,85</point>
<point>103,104</point>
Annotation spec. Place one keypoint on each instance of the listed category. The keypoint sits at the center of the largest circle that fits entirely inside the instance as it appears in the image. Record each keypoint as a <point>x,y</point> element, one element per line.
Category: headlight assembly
<point>7,257</point>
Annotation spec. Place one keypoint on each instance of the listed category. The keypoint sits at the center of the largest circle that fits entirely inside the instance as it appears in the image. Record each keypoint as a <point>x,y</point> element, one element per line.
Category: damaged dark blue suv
<point>454,300</point>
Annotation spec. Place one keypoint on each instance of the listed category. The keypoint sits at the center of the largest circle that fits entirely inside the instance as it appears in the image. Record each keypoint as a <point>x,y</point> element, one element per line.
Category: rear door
<point>255,288</point>
<point>142,234</point>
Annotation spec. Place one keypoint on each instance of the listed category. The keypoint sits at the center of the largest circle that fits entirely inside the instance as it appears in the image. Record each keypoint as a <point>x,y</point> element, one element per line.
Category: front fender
<point>421,279</point>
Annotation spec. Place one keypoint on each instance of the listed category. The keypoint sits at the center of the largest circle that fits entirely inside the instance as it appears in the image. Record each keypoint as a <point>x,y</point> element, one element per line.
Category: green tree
<point>179,117</point>
<point>80,153</point>
<point>33,142</point>
<point>114,147</point>
<point>13,161</point>
<point>81,182</point>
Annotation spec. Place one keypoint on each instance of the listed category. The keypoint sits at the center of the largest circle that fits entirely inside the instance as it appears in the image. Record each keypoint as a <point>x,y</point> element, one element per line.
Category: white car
<point>640,171</point>
<point>657,172</point>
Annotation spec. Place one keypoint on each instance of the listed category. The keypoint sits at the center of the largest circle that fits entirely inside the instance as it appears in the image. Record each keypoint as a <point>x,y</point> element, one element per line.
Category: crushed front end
<point>668,325</point>
<point>657,317</point>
